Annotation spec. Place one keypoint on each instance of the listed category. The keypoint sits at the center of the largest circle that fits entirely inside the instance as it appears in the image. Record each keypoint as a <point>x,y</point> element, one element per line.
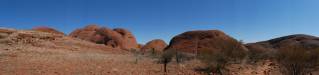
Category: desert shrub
<point>137,55</point>
<point>100,42</point>
<point>217,59</point>
<point>152,53</point>
<point>297,60</point>
<point>259,55</point>
<point>181,57</point>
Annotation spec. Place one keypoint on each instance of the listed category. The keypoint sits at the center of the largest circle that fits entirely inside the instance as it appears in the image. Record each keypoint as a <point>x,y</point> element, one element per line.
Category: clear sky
<point>248,20</point>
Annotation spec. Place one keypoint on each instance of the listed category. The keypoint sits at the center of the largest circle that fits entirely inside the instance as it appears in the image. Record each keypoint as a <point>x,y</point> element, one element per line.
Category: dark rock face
<point>116,38</point>
<point>158,45</point>
<point>193,41</point>
<point>307,41</point>
<point>47,29</point>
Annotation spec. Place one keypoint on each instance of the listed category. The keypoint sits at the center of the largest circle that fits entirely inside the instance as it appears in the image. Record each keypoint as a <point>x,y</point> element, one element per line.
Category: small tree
<point>154,53</point>
<point>166,58</point>
<point>297,60</point>
<point>217,59</point>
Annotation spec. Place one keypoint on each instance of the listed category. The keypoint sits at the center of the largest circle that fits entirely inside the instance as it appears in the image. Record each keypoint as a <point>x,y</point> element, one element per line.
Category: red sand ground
<point>38,53</point>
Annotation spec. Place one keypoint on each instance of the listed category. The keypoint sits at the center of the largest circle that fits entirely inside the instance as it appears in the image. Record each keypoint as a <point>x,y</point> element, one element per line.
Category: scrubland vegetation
<point>297,60</point>
<point>292,60</point>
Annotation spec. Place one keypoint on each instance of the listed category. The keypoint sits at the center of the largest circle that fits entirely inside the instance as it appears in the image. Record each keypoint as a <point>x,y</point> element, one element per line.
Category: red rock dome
<point>193,41</point>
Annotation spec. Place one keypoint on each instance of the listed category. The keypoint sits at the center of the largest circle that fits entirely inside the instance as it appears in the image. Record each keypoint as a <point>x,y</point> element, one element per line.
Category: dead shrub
<point>297,60</point>
<point>257,55</point>
<point>216,60</point>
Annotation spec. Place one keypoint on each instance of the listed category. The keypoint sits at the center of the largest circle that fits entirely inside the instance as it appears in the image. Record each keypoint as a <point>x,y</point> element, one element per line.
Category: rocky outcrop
<point>116,38</point>
<point>4,32</point>
<point>139,46</point>
<point>26,37</point>
<point>47,29</point>
<point>157,45</point>
<point>128,40</point>
<point>304,40</point>
<point>194,41</point>
<point>87,33</point>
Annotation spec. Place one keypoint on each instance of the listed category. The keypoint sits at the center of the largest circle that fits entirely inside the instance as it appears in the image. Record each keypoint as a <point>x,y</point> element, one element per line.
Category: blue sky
<point>248,20</point>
